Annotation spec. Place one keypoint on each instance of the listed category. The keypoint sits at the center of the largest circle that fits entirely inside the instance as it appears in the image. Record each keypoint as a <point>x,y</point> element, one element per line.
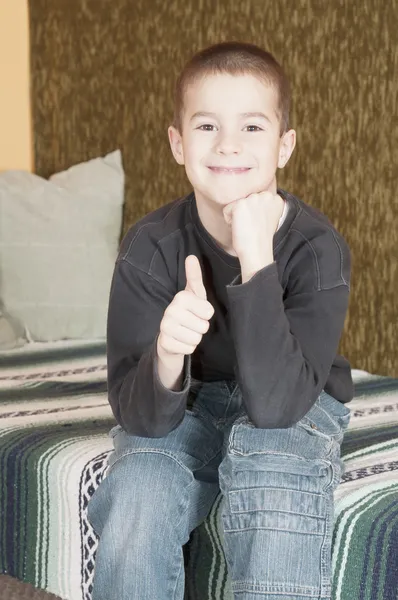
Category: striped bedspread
<point>54,421</point>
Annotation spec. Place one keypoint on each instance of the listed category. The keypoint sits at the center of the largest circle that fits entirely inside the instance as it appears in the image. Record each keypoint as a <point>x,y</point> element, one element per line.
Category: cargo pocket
<point>278,509</point>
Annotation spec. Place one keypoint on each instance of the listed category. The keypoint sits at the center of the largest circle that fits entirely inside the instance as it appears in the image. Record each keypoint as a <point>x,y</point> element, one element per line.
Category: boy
<point>225,315</point>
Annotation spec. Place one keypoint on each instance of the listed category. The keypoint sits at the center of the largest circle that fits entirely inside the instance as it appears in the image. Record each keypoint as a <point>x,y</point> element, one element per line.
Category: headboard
<point>102,78</point>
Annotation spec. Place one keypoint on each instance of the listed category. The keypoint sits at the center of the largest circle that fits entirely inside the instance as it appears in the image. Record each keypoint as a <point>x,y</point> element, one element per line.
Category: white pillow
<point>11,333</point>
<point>58,245</point>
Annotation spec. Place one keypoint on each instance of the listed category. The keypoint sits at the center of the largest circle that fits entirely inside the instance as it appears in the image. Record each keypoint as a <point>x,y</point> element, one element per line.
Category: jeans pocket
<point>277,512</point>
<point>280,508</point>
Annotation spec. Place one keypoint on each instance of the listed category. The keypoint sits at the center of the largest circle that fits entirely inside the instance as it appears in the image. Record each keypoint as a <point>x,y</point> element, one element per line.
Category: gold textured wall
<point>102,78</point>
<point>15,126</point>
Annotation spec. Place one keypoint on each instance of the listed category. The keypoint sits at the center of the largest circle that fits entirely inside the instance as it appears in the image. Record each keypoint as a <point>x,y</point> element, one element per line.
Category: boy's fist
<point>186,319</point>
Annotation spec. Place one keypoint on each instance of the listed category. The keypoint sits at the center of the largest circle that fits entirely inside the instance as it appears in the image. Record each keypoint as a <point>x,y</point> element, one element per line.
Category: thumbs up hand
<point>194,277</point>
<point>187,317</point>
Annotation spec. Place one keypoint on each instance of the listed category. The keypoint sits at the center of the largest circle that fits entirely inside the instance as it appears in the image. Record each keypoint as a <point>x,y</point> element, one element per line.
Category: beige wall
<point>15,120</point>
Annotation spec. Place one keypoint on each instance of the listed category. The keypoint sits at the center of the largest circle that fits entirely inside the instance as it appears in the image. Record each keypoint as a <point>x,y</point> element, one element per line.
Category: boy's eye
<point>206,127</point>
<point>253,128</point>
<point>209,127</point>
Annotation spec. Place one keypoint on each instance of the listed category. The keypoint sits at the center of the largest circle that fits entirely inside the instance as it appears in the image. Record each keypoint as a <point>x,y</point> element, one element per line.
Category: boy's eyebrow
<point>244,115</point>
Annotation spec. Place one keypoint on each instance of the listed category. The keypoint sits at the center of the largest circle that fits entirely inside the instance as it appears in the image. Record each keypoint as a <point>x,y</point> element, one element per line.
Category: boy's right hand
<point>186,319</point>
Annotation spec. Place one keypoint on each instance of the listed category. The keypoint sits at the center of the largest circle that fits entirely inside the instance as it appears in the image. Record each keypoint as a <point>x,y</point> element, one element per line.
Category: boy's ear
<point>175,140</point>
<point>287,145</point>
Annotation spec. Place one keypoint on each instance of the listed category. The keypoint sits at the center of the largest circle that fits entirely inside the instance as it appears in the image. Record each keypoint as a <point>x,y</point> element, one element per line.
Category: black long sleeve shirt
<point>277,334</point>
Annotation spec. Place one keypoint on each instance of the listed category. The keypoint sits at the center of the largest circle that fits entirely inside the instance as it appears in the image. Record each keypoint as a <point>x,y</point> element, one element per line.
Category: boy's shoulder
<point>314,236</point>
<point>159,228</point>
<point>308,219</point>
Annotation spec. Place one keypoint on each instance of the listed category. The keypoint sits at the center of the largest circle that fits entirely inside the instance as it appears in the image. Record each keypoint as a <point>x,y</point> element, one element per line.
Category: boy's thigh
<point>192,446</point>
<point>172,475</point>
<point>309,447</point>
<point>278,501</point>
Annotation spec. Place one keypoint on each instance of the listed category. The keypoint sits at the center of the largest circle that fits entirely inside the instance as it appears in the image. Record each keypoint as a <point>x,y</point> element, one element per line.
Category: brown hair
<point>235,58</point>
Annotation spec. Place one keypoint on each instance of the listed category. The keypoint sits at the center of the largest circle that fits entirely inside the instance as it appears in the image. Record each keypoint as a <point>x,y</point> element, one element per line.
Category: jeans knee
<point>142,491</point>
<point>96,508</point>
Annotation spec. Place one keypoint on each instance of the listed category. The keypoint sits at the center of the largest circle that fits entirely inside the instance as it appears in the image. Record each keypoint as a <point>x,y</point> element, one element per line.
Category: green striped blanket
<point>54,421</point>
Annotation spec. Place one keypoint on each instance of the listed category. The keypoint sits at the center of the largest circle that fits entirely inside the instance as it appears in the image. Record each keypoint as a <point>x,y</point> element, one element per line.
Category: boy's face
<point>230,142</point>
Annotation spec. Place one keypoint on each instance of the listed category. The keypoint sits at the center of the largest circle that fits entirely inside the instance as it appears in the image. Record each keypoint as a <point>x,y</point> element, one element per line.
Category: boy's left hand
<point>253,221</point>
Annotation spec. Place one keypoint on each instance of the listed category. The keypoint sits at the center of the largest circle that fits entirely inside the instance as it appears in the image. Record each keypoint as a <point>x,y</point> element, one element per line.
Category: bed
<point>55,418</point>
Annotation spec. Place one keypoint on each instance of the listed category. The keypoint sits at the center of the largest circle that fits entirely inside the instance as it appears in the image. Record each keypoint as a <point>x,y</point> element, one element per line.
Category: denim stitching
<point>282,490</point>
<point>272,529</point>
<point>278,510</point>
<point>327,540</point>
<point>285,588</point>
<point>231,394</point>
<point>192,483</point>
<point>152,451</point>
<point>177,579</point>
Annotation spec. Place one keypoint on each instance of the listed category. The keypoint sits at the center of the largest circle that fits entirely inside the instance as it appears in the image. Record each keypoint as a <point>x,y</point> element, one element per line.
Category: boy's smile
<point>229,171</point>
<point>230,143</point>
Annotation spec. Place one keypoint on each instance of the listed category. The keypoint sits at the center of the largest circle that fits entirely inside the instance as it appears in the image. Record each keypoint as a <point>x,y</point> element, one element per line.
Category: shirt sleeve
<point>139,401</point>
<point>286,340</point>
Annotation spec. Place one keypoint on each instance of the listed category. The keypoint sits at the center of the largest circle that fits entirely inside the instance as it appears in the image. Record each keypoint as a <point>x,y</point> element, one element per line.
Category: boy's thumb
<point>194,277</point>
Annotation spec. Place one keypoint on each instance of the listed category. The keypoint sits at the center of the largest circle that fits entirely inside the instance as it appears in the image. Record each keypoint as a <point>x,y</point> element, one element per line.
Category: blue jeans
<point>277,510</point>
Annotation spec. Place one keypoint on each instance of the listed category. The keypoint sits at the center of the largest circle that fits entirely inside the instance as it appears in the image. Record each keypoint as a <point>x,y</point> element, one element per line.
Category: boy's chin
<point>218,198</point>
<point>230,191</point>
<point>227,196</point>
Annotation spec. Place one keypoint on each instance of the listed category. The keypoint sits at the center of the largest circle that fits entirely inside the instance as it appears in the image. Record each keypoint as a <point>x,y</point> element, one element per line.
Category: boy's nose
<point>228,144</point>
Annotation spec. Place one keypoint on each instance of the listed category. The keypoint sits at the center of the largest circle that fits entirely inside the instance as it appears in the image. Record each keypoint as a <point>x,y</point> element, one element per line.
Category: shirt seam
<point>122,259</point>
<point>160,242</point>
<point>177,205</point>
<point>300,210</point>
<point>319,287</point>
<point>319,282</point>
<point>341,257</point>
<point>333,232</point>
